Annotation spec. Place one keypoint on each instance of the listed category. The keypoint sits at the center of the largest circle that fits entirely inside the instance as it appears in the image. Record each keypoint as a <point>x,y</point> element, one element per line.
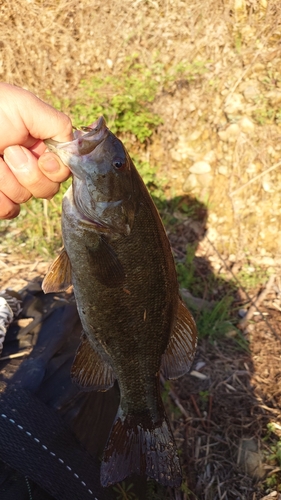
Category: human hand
<point>26,169</point>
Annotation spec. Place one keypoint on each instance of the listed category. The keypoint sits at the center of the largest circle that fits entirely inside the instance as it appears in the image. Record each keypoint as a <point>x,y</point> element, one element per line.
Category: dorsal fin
<point>58,277</point>
<point>89,370</point>
<point>179,355</point>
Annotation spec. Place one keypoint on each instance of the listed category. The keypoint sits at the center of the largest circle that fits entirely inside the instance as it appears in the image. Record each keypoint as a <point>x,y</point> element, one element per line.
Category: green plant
<point>125,102</point>
<point>251,277</point>
<point>185,71</point>
<point>238,40</point>
<point>165,391</point>
<point>215,323</point>
<point>271,482</point>
<point>272,456</point>
<point>125,491</point>
<point>37,228</point>
<point>149,176</point>
<point>186,269</point>
<point>264,115</point>
<point>170,406</point>
<point>188,493</point>
<point>155,491</point>
<point>276,453</point>
<point>204,396</point>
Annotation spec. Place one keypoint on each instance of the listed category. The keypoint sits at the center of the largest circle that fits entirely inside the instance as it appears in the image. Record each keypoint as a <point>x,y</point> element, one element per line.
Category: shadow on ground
<point>230,396</point>
<point>219,412</point>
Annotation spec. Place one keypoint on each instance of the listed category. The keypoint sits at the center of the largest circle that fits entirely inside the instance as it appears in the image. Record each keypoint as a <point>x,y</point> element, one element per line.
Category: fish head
<point>103,188</point>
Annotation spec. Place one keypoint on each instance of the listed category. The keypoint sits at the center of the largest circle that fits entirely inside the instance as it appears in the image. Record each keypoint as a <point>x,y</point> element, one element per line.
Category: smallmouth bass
<point>118,258</point>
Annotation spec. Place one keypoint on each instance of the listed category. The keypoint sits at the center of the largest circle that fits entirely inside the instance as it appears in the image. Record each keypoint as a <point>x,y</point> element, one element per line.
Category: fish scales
<point>118,318</point>
<point>126,290</point>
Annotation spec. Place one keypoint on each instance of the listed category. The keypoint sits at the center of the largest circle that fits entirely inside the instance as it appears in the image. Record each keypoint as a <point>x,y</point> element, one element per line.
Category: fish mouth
<point>91,203</point>
<point>85,141</point>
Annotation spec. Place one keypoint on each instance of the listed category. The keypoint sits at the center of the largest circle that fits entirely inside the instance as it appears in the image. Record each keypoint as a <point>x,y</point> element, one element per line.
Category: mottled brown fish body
<point>126,289</point>
<point>132,320</point>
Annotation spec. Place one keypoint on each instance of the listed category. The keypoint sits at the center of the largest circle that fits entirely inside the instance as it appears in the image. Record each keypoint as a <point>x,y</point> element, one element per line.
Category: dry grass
<point>228,48</point>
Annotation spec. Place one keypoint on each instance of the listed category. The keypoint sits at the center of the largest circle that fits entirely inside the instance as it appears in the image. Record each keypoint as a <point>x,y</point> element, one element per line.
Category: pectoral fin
<point>89,370</point>
<point>178,357</point>
<point>58,277</point>
<point>106,265</point>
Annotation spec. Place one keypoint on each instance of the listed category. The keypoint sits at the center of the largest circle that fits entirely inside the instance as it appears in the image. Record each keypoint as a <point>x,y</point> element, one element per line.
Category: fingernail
<point>15,157</point>
<point>49,164</point>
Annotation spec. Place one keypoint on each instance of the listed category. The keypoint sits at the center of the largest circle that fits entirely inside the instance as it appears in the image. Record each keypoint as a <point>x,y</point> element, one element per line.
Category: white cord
<point>6,318</point>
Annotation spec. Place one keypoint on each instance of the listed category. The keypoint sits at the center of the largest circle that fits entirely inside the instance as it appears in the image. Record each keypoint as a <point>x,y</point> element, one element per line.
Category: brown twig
<point>273,167</point>
<point>257,302</point>
<point>16,354</point>
<point>175,398</point>
<point>198,411</point>
<point>210,411</point>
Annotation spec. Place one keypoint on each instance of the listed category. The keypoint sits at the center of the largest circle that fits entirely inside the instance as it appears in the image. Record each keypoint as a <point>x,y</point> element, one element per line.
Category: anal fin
<point>179,355</point>
<point>58,277</point>
<point>89,370</point>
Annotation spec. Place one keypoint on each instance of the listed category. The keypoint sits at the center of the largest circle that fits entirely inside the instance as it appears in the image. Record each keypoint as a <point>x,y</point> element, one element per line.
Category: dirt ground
<point>226,413</point>
<point>221,411</point>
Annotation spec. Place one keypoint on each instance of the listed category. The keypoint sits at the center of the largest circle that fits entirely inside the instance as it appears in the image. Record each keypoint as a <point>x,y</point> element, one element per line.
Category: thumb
<point>53,168</point>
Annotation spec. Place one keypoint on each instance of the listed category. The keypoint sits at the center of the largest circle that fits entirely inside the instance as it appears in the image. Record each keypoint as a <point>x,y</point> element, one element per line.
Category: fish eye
<point>119,163</point>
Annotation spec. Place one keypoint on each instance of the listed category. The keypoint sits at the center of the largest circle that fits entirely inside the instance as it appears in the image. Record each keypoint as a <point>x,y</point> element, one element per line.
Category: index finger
<point>31,119</point>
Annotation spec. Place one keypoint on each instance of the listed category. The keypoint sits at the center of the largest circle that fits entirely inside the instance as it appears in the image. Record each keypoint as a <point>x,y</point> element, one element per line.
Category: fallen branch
<point>273,167</point>
<point>175,398</point>
<point>16,355</point>
<point>254,307</point>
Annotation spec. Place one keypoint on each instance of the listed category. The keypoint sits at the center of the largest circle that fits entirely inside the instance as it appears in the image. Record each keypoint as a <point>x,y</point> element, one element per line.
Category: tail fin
<point>136,445</point>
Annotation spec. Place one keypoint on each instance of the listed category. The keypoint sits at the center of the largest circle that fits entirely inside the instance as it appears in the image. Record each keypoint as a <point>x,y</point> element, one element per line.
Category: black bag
<point>51,433</point>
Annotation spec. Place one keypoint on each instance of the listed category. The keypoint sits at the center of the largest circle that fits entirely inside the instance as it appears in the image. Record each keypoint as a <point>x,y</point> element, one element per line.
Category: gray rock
<point>230,134</point>
<point>246,125</point>
<point>242,313</point>
<point>274,97</point>
<point>233,104</point>
<point>251,93</point>
<point>250,457</point>
<point>190,183</point>
<point>200,167</point>
<point>223,170</point>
